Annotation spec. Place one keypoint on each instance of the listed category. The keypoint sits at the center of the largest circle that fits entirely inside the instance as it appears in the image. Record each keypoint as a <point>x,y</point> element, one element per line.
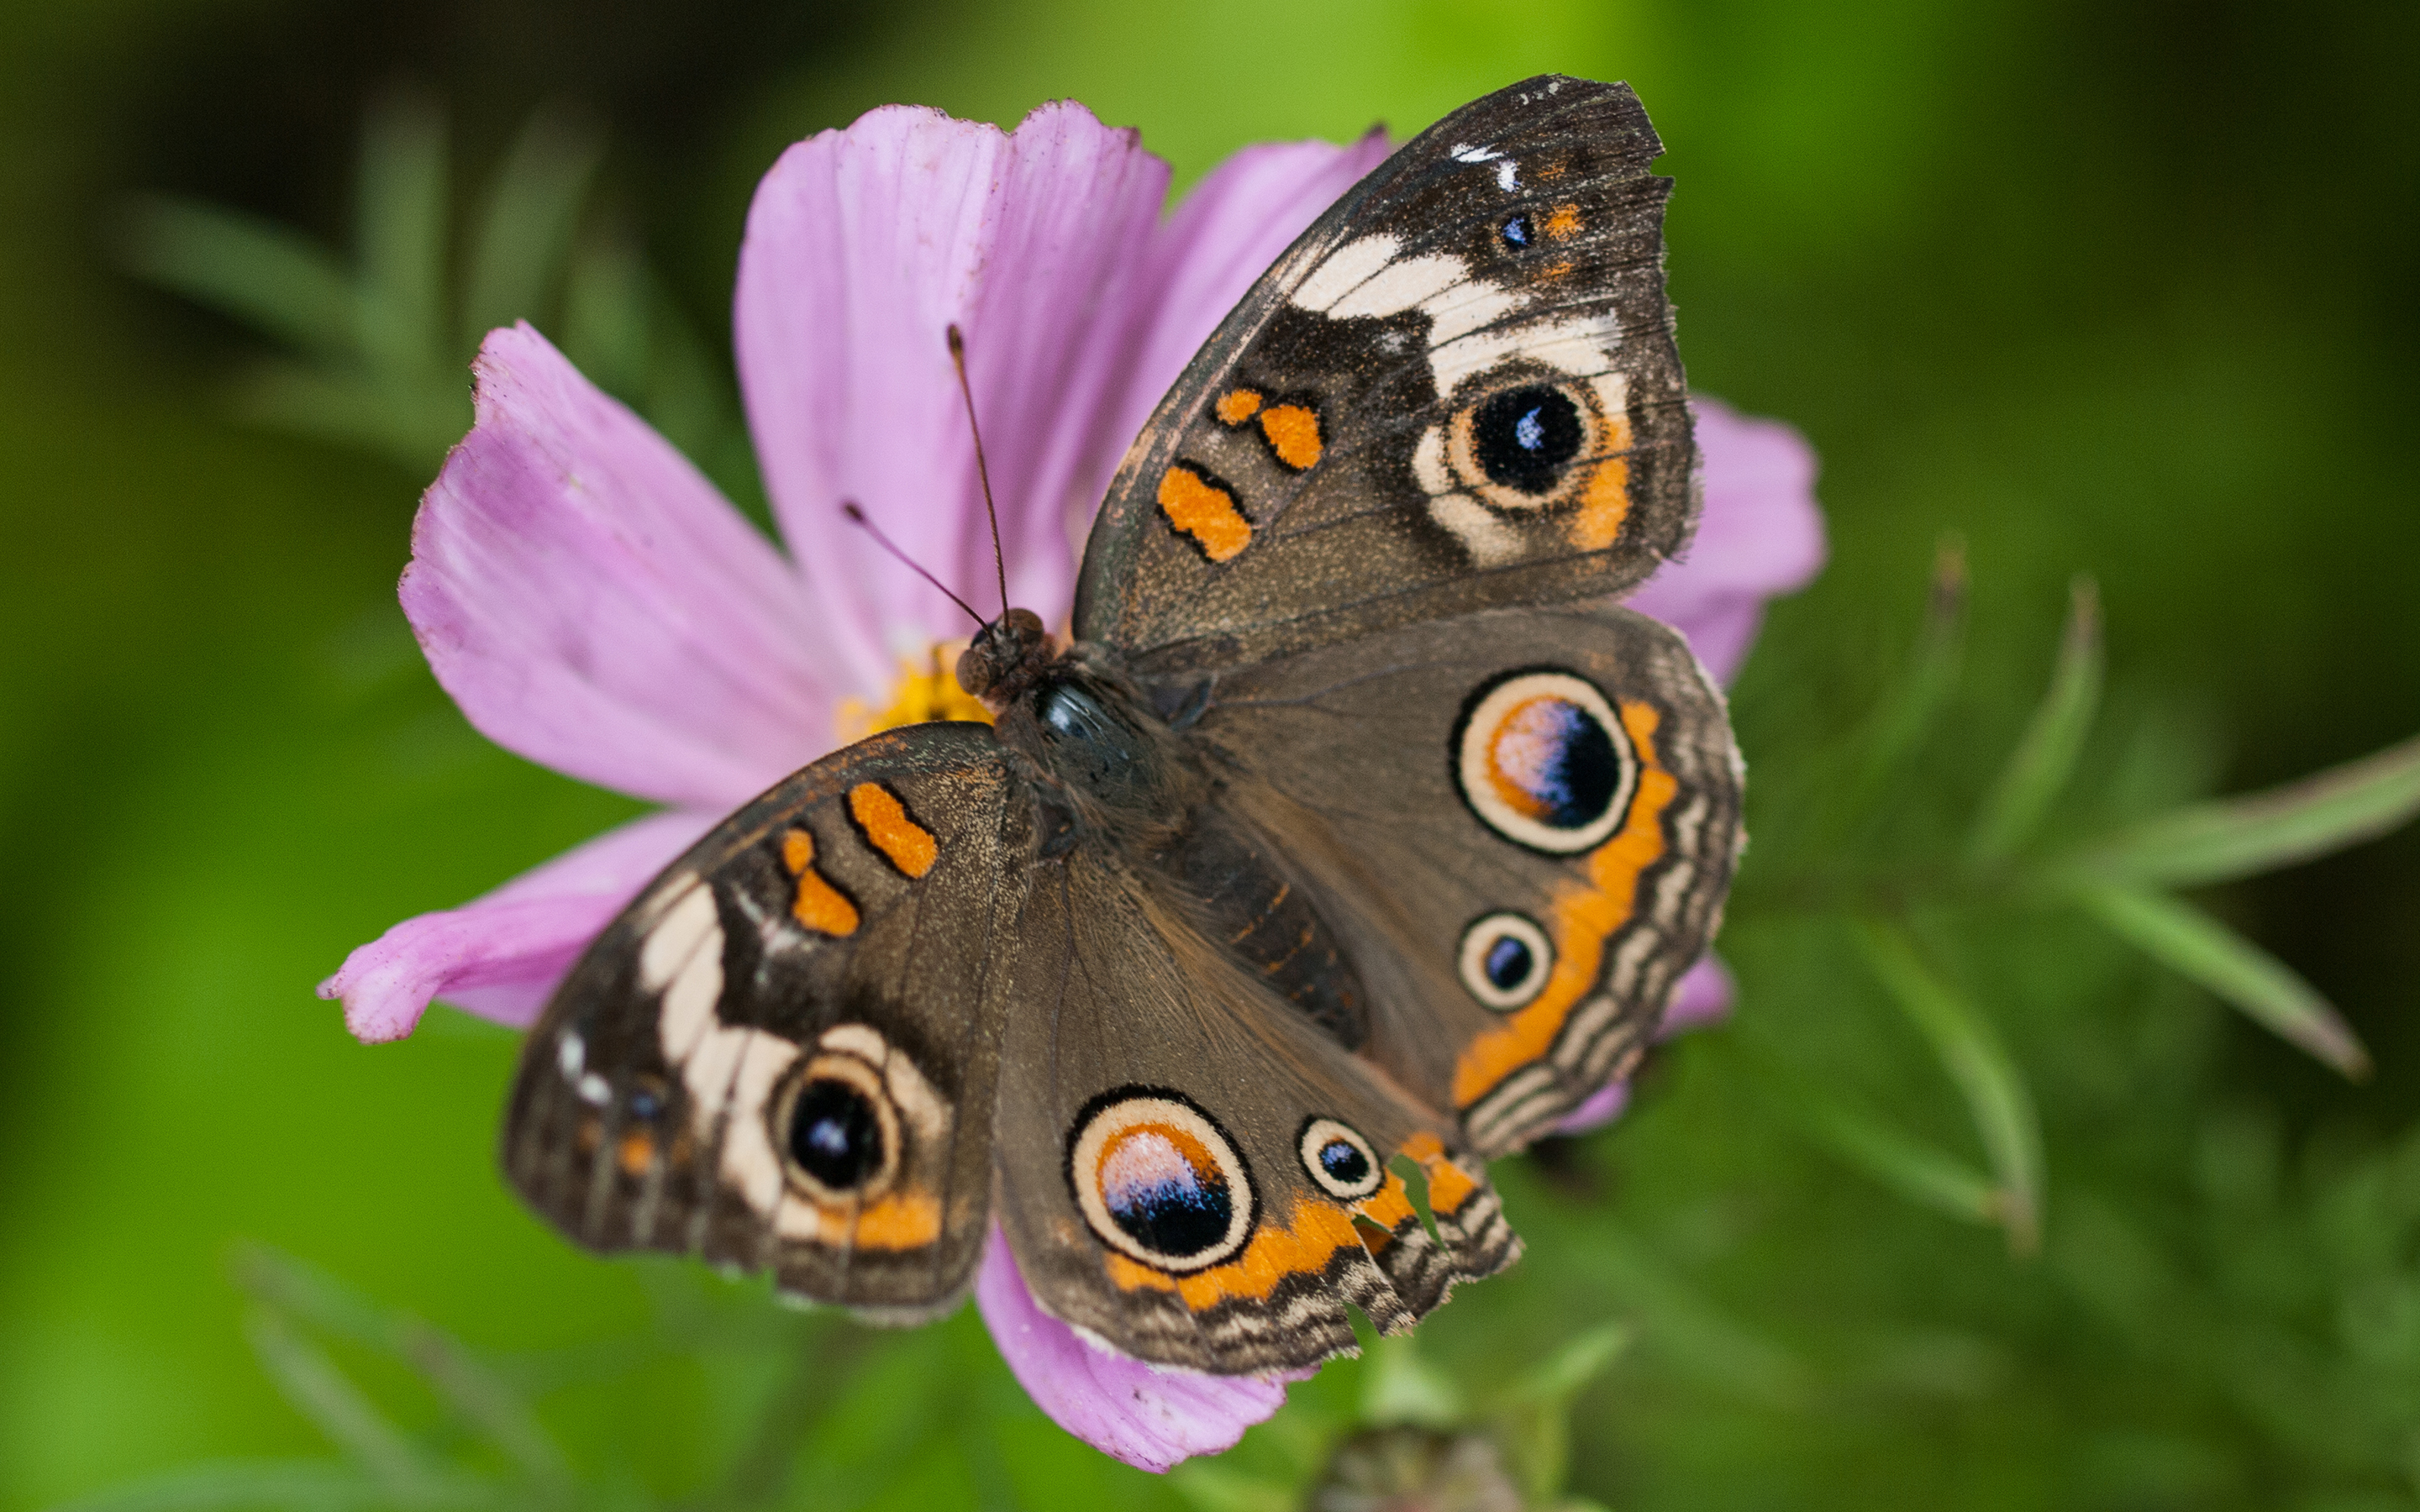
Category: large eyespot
<point>1544,762</point>
<point>1519,449</point>
<point>838,1129</point>
<point>1505,961</point>
<point>1340,1160</point>
<point>1159,1180</point>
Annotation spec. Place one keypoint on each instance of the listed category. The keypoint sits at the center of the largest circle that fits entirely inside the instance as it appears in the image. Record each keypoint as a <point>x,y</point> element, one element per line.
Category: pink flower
<point>593,603</point>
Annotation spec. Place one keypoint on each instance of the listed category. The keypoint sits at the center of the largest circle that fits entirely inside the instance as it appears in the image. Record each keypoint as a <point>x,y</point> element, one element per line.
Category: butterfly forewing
<point>779,1057</point>
<point>1458,390</point>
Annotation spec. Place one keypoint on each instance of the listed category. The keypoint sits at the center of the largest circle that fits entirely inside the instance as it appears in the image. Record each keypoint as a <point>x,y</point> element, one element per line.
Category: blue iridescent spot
<point>1509,962</point>
<point>1344,1163</point>
<point>1515,233</point>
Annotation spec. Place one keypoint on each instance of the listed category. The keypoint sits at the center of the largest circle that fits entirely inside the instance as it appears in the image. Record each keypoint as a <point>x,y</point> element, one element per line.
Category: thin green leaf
<point>413,424</point>
<point>1557,1378</point>
<point>1692,1331</point>
<point>1929,1176</point>
<point>321,1391</point>
<point>286,1486</point>
<point>402,240</point>
<point>2259,832</point>
<point>475,1392</point>
<point>1400,1387</point>
<point>265,275</point>
<point>1209,1487</point>
<point>2194,945</point>
<point>2045,754</point>
<point>1908,711</point>
<point>1978,1065</point>
<point>532,209</point>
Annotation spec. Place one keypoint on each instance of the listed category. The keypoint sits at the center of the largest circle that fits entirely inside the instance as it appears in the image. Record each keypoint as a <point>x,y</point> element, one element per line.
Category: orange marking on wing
<point>1301,1247</point>
<point>904,844</point>
<point>1205,512</point>
<point>636,1152</point>
<point>1564,223</point>
<point>1238,406</point>
<point>1449,1184</point>
<point>1584,916</point>
<point>1390,1205</point>
<point>819,905</point>
<point>1292,430</point>
<point>1606,504</point>
<point>903,1220</point>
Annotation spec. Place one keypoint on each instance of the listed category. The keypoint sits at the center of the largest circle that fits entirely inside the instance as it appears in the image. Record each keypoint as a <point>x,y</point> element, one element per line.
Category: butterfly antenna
<point>857,518</point>
<point>958,360</point>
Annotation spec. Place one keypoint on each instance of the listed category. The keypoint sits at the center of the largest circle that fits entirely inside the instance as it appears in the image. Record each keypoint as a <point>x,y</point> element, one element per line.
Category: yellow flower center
<point>921,694</point>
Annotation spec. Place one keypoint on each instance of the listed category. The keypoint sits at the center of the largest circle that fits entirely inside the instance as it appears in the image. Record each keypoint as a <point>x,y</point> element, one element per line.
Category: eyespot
<point>1505,961</point>
<point>1340,1160</point>
<point>1159,1180</point>
<point>838,1129</point>
<point>1541,758</point>
<point>1519,449</point>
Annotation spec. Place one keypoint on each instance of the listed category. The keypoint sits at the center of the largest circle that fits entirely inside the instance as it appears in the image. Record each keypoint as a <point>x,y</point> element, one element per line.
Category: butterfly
<point>1355,836</point>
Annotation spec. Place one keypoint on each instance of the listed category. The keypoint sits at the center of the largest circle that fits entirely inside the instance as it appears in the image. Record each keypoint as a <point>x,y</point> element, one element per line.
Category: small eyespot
<point>1505,961</point>
<point>839,1130</point>
<point>1340,1160</point>
<point>1157,1179</point>
<point>1543,760</point>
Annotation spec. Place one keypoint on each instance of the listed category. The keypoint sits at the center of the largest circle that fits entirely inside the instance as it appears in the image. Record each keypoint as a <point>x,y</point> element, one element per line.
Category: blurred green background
<point>2126,289</point>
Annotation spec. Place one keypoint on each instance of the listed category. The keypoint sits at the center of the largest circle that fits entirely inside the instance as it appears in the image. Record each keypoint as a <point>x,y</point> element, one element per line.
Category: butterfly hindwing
<point>1458,390</point>
<point>1194,1172</point>
<point>782,1057</point>
<point>1521,823</point>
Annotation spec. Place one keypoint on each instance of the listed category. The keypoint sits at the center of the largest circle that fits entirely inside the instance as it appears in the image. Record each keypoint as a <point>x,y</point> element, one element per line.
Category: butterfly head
<point>1008,654</point>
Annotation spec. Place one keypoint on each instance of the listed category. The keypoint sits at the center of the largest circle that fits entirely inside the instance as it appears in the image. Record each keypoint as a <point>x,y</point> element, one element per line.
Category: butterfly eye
<point>1159,1180</point>
<point>1340,1160</point>
<point>839,1129</point>
<point>1505,961</point>
<point>1542,761</point>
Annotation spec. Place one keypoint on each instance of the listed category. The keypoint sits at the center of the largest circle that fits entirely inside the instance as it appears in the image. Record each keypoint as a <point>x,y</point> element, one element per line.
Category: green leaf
<point>265,275</point>
<point>322,1392</point>
<point>1978,1065</point>
<point>1926,1176</point>
<point>1907,714</point>
<point>402,240</point>
<point>1559,1377</point>
<point>2259,832</point>
<point>532,209</point>
<point>285,1486</point>
<point>2045,754</point>
<point>1400,1387</point>
<point>2194,945</point>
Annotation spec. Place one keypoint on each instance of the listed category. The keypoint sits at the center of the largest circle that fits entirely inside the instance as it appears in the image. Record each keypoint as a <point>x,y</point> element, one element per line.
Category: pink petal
<point>1148,1418</point>
<point>862,247</point>
<point>594,605</point>
<point>1702,996</point>
<point>1234,223</point>
<point>1761,536</point>
<point>500,956</point>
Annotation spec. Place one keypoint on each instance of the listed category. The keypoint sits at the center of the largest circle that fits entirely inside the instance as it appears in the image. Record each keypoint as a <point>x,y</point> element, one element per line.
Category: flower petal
<point>1702,996</point>
<point>500,956</point>
<point>1148,1418</point>
<point>1234,223</point>
<point>862,247</point>
<point>1762,535</point>
<point>594,605</point>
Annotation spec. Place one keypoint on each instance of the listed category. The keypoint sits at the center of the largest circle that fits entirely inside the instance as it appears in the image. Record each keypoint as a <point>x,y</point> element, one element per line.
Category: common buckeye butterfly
<point>1356,836</point>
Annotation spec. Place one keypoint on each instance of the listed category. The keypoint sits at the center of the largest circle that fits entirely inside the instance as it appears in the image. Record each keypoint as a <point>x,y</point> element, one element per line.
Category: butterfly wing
<point>1520,824</point>
<point>1457,390</point>
<point>1192,1170</point>
<point>783,1056</point>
